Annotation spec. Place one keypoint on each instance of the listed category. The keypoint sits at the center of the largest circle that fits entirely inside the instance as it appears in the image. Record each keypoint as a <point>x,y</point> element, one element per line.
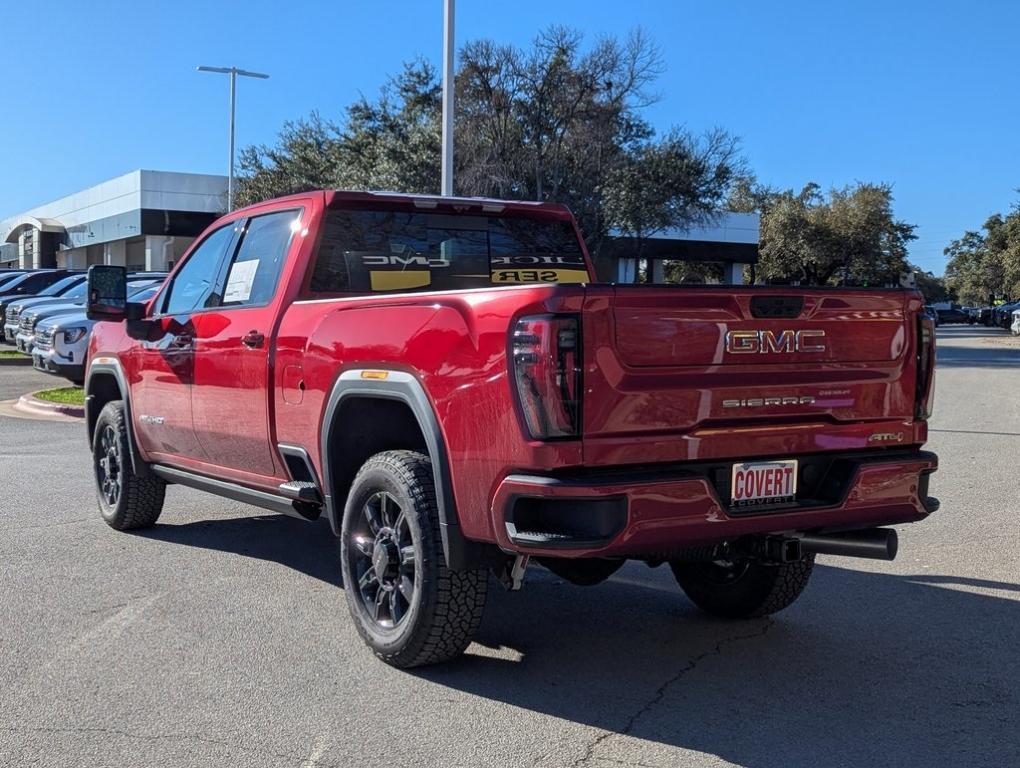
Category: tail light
<point>546,360</point>
<point>925,368</point>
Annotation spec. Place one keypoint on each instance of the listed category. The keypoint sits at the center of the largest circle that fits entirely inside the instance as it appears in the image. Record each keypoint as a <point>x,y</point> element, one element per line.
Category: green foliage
<point>670,182</point>
<point>848,235</point>
<point>64,395</point>
<point>556,121</point>
<point>985,266</point>
<point>389,144</point>
<point>933,288</point>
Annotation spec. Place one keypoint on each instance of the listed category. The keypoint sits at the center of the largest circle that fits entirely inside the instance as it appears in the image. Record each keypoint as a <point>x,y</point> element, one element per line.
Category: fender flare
<point>112,366</point>
<point>460,553</point>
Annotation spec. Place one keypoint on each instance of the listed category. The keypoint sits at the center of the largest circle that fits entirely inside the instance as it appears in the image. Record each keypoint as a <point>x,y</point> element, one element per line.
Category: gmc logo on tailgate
<point>761,342</point>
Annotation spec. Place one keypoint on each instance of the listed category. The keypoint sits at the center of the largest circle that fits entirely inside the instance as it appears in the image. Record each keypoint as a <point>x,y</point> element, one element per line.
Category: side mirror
<point>107,293</point>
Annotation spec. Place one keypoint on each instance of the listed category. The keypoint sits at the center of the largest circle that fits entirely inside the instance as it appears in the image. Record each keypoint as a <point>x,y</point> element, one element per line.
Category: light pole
<point>448,51</point>
<point>233,72</point>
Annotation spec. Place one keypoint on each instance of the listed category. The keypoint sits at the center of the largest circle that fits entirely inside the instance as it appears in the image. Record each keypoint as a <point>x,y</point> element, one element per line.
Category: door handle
<point>253,339</point>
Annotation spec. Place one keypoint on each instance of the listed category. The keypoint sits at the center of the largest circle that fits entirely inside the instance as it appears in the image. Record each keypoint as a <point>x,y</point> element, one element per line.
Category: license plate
<point>761,483</point>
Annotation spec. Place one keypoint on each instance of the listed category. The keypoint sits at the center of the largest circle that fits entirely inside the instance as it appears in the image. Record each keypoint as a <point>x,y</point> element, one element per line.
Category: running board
<point>284,506</point>
<point>301,490</point>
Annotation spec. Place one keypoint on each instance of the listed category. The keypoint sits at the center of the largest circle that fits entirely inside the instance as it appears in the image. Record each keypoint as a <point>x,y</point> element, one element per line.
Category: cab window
<point>255,268</point>
<point>195,285</point>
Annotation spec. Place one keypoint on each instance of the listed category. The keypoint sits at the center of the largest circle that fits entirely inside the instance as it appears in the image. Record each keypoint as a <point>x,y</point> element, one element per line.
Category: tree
<point>848,235</point>
<point>558,121</point>
<point>933,288</point>
<point>984,266</point>
<point>391,144</point>
<point>670,182</point>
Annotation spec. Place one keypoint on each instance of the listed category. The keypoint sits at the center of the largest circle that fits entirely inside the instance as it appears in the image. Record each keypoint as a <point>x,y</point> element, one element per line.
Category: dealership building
<point>143,220</point>
<point>728,240</point>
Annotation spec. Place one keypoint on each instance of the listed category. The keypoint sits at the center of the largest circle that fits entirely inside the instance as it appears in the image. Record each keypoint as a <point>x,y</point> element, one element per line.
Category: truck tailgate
<point>685,373</point>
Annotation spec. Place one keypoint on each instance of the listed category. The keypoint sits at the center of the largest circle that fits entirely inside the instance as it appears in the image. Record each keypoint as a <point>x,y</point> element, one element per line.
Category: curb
<point>31,404</point>
<point>27,360</point>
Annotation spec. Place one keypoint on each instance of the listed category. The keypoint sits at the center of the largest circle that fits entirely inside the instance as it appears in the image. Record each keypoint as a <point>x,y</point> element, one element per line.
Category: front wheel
<point>126,501</point>
<point>407,605</point>
<point>742,589</point>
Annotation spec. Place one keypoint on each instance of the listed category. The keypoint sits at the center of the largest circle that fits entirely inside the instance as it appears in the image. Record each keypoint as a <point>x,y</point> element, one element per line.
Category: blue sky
<point>921,95</point>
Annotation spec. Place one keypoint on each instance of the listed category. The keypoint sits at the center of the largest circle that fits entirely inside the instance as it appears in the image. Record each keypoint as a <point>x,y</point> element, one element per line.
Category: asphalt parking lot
<point>221,636</point>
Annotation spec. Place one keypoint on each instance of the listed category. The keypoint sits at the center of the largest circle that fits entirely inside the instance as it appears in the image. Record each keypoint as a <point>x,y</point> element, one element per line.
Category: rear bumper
<point>653,513</point>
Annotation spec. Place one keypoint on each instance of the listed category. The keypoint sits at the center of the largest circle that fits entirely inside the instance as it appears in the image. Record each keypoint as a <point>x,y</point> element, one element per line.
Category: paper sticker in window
<point>240,282</point>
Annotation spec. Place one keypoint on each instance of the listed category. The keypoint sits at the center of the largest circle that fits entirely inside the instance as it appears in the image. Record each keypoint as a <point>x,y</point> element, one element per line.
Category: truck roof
<point>428,202</point>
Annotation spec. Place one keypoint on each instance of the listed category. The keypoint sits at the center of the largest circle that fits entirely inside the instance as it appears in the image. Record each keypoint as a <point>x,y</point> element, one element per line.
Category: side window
<point>255,268</point>
<point>195,284</point>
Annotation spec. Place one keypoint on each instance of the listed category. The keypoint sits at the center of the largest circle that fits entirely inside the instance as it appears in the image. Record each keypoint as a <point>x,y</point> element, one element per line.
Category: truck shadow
<point>866,668</point>
<point>306,547</point>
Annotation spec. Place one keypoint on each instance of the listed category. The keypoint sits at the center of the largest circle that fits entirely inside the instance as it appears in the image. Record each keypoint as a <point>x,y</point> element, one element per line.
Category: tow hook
<point>511,575</point>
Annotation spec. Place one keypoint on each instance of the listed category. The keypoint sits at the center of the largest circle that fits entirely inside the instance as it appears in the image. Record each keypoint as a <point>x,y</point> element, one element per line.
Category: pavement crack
<point>660,692</point>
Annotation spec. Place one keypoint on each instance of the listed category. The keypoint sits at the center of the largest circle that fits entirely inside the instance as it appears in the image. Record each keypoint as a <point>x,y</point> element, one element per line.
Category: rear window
<point>382,251</point>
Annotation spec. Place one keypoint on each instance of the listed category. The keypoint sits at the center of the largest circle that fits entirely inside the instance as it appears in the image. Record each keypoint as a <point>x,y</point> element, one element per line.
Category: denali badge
<point>744,342</point>
<point>765,402</point>
<point>146,419</point>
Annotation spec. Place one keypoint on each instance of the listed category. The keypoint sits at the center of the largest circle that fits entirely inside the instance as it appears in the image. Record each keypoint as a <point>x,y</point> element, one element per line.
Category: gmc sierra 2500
<point>445,380</point>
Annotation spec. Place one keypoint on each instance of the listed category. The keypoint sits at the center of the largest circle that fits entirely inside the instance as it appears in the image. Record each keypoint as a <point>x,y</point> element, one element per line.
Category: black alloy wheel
<point>383,560</point>
<point>108,466</point>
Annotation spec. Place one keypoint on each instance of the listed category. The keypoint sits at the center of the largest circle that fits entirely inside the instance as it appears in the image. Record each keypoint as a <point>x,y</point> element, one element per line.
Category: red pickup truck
<point>447,382</point>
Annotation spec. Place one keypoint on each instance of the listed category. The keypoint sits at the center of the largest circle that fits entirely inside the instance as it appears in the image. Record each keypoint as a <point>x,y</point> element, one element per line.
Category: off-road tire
<point>752,590</point>
<point>139,500</point>
<point>446,609</point>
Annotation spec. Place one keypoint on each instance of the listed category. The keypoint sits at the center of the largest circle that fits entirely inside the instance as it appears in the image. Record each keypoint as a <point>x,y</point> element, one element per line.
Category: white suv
<point>60,344</point>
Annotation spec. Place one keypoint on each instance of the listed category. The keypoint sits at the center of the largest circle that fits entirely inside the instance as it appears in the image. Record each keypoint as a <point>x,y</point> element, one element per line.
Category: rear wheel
<point>407,605</point>
<point>742,589</point>
<point>126,501</point>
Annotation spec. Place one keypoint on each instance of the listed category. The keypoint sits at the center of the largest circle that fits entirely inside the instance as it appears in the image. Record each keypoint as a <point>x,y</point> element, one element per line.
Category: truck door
<point>231,397</point>
<point>165,359</point>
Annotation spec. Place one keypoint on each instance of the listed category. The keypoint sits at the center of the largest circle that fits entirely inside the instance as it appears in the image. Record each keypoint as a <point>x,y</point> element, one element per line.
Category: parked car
<point>24,338</point>
<point>984,316</point>
<point>931,314</point>
<point>948,316</point>
<point>1002,315</point>
<point>9,274</point>
<point>30,283</point>
<point>71,287</point>
<point>60,343</point>
<point>444,379</point>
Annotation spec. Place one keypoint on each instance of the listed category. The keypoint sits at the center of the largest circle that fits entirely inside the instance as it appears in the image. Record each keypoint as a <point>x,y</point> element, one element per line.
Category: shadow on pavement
<point>866,669</point>
<point>306,547</point>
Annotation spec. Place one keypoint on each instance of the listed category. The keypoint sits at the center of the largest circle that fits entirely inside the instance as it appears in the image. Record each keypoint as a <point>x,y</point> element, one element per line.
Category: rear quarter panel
<point>455,344</point>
